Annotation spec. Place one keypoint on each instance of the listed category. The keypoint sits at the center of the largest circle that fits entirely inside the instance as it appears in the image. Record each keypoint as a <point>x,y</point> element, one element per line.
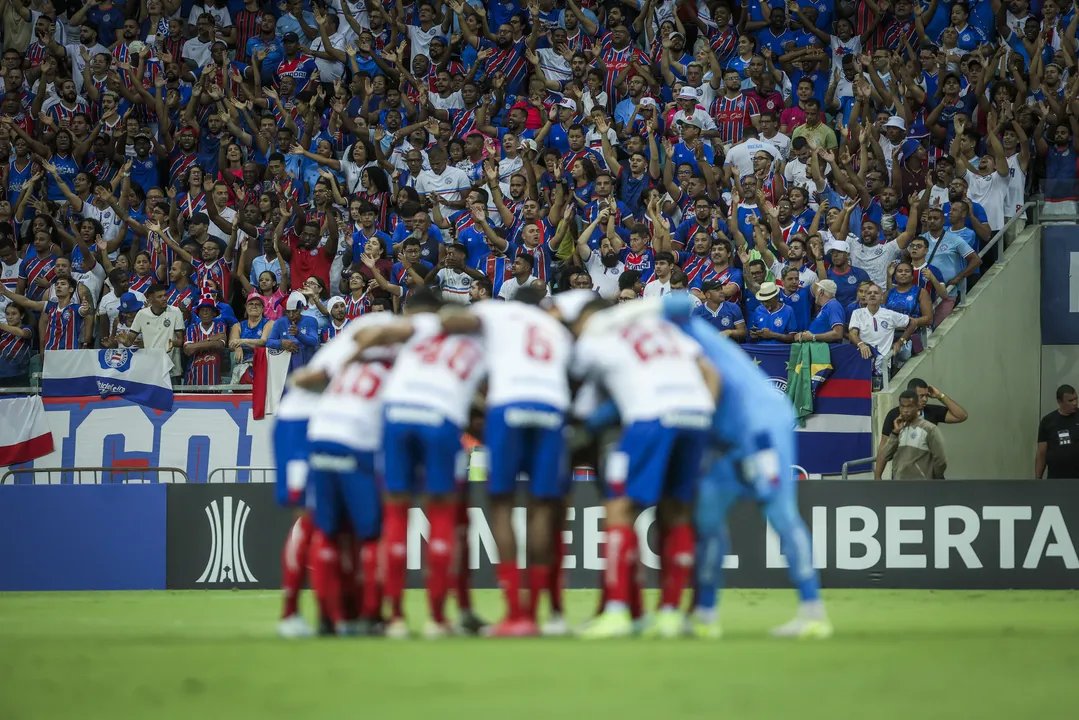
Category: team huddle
<point>375,422</point>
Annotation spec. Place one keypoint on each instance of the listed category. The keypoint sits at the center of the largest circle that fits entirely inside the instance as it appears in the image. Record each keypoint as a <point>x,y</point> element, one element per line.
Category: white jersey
<point>528,354</point>
<point>1017,182</point>
<point>297,404</point>
<point>991,192</point>
<point>649,368</point>
<point>349,412</point>
<point>435,375</point>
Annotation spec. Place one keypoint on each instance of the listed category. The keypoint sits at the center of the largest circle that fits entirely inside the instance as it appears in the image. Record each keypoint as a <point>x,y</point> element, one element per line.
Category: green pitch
<point>206,655</point>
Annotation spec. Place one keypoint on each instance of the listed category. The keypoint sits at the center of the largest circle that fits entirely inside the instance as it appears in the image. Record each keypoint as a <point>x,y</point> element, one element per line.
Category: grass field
<point>204,655</point>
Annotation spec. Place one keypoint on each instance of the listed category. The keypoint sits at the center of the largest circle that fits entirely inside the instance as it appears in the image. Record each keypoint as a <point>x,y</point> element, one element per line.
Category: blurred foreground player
<point>343,435</point>
<point>290,461</point>
<point>754,426</point>
<point>528,352</point>
<point>427,400</point>
<point>665,394</point>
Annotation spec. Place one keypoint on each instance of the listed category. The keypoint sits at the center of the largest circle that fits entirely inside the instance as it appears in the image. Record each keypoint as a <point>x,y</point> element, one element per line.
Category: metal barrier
<point>999,238</point>
<point>206,389</point>
<point>860,461</point>
<point>243,474</point>
<point>74,475</point>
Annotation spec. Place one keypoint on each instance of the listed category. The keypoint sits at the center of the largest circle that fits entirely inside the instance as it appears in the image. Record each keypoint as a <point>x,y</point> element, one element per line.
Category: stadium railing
<point>1002,238</point>
<point>255,474</point>
<point>850,464</point>
<point>130,476</point>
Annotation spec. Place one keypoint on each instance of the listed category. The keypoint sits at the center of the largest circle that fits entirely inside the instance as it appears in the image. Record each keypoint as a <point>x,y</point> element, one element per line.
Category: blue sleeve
<point>605,416</point>
<point>276,335</point>
<point>835,315</point>
<point>680,233</point>
<point>308,328</point>
<point>979,212</point>
<point>963,248</point>
<point>790,323</point>
<point>736,313</point>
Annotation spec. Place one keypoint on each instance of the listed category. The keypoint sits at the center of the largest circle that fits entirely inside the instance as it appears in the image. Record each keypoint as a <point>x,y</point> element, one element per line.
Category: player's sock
<point>395,549</point>
<point>326,576</point>
<point>661,573</point>
<point>636,592</point>
<point>677,559</point>
<point>294,563</point>
<point>371,593</point>
<point>812,609</point>
<point>463,574</point>
<point>509,579</point>
<point>557,576</point>
<point>351,586</point>
<point>539,580</point>
<point>442,516</point>
<point>621,565</point>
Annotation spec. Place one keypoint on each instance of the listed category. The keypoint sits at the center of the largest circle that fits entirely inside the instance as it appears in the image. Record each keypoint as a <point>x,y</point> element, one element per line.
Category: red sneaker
<point>522,627</point>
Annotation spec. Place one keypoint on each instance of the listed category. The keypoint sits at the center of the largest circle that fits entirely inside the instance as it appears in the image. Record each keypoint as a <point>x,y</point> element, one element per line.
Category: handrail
<point>1021,214</point>
<point>860,461</point>
<point>178,389</point>
<point>264,471</point>
<point>126,472</point>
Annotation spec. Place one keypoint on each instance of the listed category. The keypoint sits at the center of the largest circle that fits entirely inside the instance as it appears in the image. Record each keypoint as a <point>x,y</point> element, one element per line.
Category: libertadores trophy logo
<point>228,561</point>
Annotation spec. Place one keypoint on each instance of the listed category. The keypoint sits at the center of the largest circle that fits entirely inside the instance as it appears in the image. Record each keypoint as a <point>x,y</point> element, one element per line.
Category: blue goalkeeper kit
<point>754,434</point>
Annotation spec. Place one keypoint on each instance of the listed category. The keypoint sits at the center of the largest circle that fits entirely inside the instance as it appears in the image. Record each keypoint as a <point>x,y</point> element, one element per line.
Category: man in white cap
<point>690,109</point>
<point>772,321</point>
<point>828,325</point>
<point>295,333</point>
<point>894,133</point>
<point>844,276</point>
<point>336,308</point>
<point>557,125</point>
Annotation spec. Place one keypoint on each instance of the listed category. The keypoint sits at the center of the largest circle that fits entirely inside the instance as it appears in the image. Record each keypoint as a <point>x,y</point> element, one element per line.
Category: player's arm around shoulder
<point>397,332</point>
<point>711,377</point>
<point>460,321</point>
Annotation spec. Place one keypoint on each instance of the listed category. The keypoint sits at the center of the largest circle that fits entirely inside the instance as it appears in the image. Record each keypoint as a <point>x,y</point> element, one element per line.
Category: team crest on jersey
<point>166,322</point>
<point>884,324</point>
<point>725,321</point>
<point>114,359</point>
<point>777,322</point>
<point>852,280</point>
<point>794,298</point>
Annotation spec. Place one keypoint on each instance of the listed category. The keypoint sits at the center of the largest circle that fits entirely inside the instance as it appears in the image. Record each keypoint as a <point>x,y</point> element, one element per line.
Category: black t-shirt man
<point>1060,433</point>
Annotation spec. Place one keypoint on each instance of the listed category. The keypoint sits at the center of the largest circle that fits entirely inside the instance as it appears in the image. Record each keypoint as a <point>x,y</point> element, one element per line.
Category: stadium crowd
<point>808,171</point>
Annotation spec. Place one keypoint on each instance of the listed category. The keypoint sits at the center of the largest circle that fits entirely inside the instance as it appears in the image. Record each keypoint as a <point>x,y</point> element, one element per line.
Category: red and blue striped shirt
<point>205,366</point>
<point>34,268</point>
<point>63,326</point>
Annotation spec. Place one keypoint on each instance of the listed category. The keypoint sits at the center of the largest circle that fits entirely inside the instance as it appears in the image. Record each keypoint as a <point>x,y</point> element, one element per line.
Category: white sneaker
<point>435,631</point>
<point>804,627</point>
<point>556,626</point>
<point>294,626</point>
<point>398,630</point>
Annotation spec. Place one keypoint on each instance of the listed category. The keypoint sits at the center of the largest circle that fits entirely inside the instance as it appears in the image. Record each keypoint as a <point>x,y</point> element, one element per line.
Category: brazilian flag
<point>809,366</point>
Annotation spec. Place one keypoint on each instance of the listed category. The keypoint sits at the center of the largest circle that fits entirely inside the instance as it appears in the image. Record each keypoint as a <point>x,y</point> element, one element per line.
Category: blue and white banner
<point>841,426</point>
<point>140,377</point>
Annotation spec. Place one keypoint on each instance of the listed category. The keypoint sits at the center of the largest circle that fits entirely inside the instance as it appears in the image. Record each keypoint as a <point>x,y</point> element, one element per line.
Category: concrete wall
<point>988,357</point>
<point>1060,365</point>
